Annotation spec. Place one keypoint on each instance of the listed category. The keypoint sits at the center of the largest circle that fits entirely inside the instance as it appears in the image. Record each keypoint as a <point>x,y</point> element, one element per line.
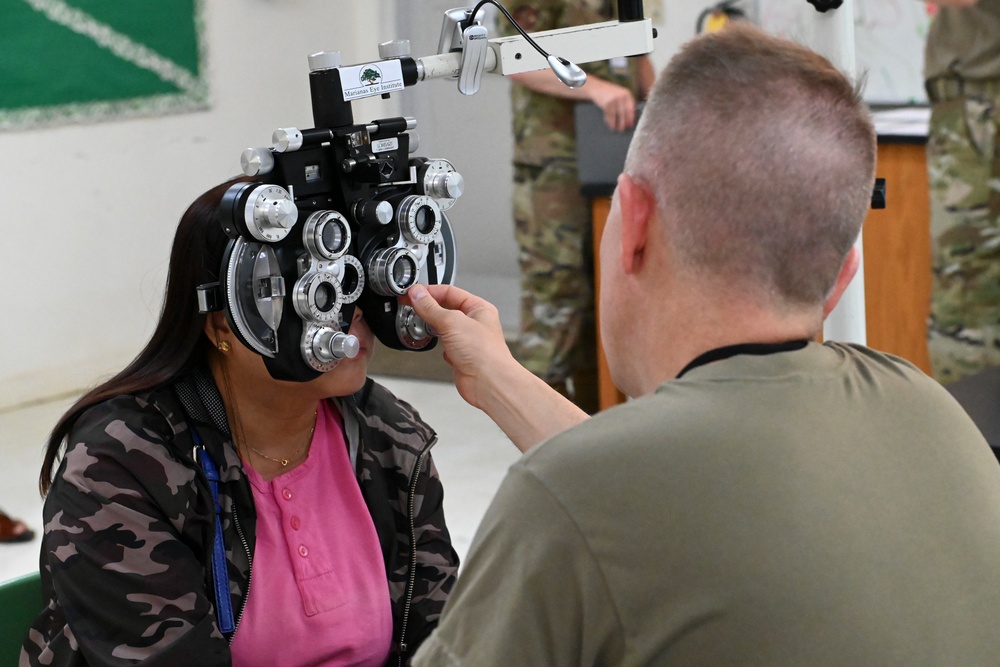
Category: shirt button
<point>296,523</point>
<point>286,494</point>
<point>303,551</point>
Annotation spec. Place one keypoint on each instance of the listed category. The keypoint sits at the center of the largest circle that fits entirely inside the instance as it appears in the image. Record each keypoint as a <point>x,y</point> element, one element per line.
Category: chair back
<point>20,603</point>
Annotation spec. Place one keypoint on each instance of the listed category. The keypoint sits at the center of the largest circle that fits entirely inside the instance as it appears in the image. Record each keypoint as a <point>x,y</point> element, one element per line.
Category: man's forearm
<point>617,102</point>
<point>527,409</point>
<point>647,76</point>
<point>544,81</point>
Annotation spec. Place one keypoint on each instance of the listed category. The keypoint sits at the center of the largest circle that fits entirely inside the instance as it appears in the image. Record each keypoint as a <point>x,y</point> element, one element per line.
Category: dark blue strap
<point>220,571</point>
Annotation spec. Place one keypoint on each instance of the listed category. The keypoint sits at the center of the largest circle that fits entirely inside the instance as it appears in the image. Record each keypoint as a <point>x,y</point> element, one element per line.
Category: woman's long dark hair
<point>177,344</point>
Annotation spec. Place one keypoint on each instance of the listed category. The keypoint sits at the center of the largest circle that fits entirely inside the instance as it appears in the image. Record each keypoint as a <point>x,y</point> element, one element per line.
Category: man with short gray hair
<point>764,499</point>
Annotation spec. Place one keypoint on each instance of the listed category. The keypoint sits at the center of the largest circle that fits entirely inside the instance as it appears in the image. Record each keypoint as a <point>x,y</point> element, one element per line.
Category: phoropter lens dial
<point>392,271</point>
<point>440,180</point>
<point>318,297</point>
<point>352,278</point>
<point>324,347</point>
<point>412,331</point>
<point>326,235</point>
<point>270,213</point>
<point>419,219</point>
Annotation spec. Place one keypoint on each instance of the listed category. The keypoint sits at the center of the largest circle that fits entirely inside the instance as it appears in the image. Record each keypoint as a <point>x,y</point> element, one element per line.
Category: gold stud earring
<point>224,346</point>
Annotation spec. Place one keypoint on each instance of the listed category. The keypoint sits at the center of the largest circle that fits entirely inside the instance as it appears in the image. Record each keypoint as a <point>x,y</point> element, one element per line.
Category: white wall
<point>89,211</point>
<point>677,25</point>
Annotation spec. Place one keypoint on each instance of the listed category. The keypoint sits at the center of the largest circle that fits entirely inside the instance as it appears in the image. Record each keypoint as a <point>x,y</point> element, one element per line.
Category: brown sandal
<point>12,530</point>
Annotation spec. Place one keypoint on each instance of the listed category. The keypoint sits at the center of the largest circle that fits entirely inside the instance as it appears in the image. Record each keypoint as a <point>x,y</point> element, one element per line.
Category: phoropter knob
<point>398,48</point>
<point>373,213</point>
<point>413,331</point>
<point>281,213</point>
<point>287,139</point>
<point>257,161</point>
<point>450,185</point>
<point>440,181</point>
<point>334,345</point>
<point>324,60</point>
<point>269,213</point>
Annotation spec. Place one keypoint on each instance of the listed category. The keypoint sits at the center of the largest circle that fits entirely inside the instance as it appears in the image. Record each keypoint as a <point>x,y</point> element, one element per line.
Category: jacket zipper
<point>246,595</point>
<point>412,575</point>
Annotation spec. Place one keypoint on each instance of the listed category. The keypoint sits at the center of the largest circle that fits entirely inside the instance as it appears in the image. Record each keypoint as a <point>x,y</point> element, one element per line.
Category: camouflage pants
<point>557,340</point>
<point>964,170</point>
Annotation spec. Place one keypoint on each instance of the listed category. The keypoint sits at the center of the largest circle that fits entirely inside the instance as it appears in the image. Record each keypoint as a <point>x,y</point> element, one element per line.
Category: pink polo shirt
<point>318,591</point>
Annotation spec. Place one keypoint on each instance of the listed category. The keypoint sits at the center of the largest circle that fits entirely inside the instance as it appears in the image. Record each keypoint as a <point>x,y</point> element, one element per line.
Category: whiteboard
<point>889,42</point>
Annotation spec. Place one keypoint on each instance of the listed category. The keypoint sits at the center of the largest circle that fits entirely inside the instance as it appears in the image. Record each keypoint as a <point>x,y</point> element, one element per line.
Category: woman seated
<point>334,548</point>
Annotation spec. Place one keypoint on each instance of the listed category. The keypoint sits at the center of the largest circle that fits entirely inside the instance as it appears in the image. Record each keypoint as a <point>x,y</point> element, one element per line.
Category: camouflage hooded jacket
<point>129,528</point>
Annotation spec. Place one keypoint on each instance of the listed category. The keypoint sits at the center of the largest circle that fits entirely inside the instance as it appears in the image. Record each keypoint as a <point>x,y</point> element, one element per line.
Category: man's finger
<point>426,307</point>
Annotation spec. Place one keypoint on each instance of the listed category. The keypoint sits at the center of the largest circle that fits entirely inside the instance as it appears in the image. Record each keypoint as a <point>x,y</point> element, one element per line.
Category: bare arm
<point>486,374</point>
<point>647,76</point>
<point>617,102</point>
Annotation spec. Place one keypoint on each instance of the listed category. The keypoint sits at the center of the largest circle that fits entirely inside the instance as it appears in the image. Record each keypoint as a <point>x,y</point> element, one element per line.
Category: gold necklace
<point>285,462</point>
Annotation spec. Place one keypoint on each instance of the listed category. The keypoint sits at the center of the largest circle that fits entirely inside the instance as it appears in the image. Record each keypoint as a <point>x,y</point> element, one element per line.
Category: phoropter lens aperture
<point>326,235</point>
<point>392,271</point>
<point>324,297</point>
<point>419,219</point>
<point>317,297</point>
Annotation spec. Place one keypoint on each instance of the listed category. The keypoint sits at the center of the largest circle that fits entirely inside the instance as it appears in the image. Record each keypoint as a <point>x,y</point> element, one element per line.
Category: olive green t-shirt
<point>828,506</point>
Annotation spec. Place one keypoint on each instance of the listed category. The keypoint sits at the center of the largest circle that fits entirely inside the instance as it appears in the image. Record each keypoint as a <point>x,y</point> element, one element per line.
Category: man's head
<point>761,155</point>
<point>757,156</point>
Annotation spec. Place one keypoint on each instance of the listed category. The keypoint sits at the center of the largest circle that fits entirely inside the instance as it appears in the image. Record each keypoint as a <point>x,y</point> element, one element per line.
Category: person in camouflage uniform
<point>552,220</point>
<point>962,69</point>
<point>130,522</point>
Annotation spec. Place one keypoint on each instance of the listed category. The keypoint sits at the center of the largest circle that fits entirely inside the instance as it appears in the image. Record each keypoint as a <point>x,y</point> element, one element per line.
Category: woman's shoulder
<point>156,411</point>
<point>128,427</point>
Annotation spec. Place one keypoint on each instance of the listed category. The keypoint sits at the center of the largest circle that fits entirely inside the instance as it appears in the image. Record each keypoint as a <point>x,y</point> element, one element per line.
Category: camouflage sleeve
<point>437,562</point>
<point>122,525</point>
<point>533,16</point>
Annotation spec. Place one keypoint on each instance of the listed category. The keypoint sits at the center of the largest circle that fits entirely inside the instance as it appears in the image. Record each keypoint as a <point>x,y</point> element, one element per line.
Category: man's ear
<point>638,207</point>
<point>847,271</point>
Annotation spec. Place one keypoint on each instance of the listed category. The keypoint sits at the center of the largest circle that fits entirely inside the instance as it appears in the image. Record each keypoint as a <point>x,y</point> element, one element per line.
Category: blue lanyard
<point>220,570</point>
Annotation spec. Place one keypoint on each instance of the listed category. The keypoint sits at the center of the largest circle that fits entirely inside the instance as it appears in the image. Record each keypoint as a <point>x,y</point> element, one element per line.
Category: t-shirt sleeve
<point>530,593</point>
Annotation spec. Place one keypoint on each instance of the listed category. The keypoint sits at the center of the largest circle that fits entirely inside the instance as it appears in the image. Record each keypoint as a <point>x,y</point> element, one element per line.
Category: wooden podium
<point>897,261</point>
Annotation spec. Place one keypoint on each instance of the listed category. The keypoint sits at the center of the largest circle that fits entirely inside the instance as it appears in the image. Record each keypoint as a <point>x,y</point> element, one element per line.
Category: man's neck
<point>680,340</point>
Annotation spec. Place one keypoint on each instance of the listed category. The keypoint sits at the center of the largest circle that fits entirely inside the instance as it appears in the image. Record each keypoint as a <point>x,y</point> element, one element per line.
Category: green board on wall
<point>87,60</point>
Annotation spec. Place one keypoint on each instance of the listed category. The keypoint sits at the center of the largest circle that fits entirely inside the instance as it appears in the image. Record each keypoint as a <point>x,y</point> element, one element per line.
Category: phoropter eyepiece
<point>419,219</point>
<point>326,235</point>
<point>392,271</point>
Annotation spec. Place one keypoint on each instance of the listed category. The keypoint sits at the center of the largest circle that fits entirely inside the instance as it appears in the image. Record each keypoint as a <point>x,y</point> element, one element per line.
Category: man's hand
<point>486,373</point>
<point>470,330</point>
<point>615,101</point>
